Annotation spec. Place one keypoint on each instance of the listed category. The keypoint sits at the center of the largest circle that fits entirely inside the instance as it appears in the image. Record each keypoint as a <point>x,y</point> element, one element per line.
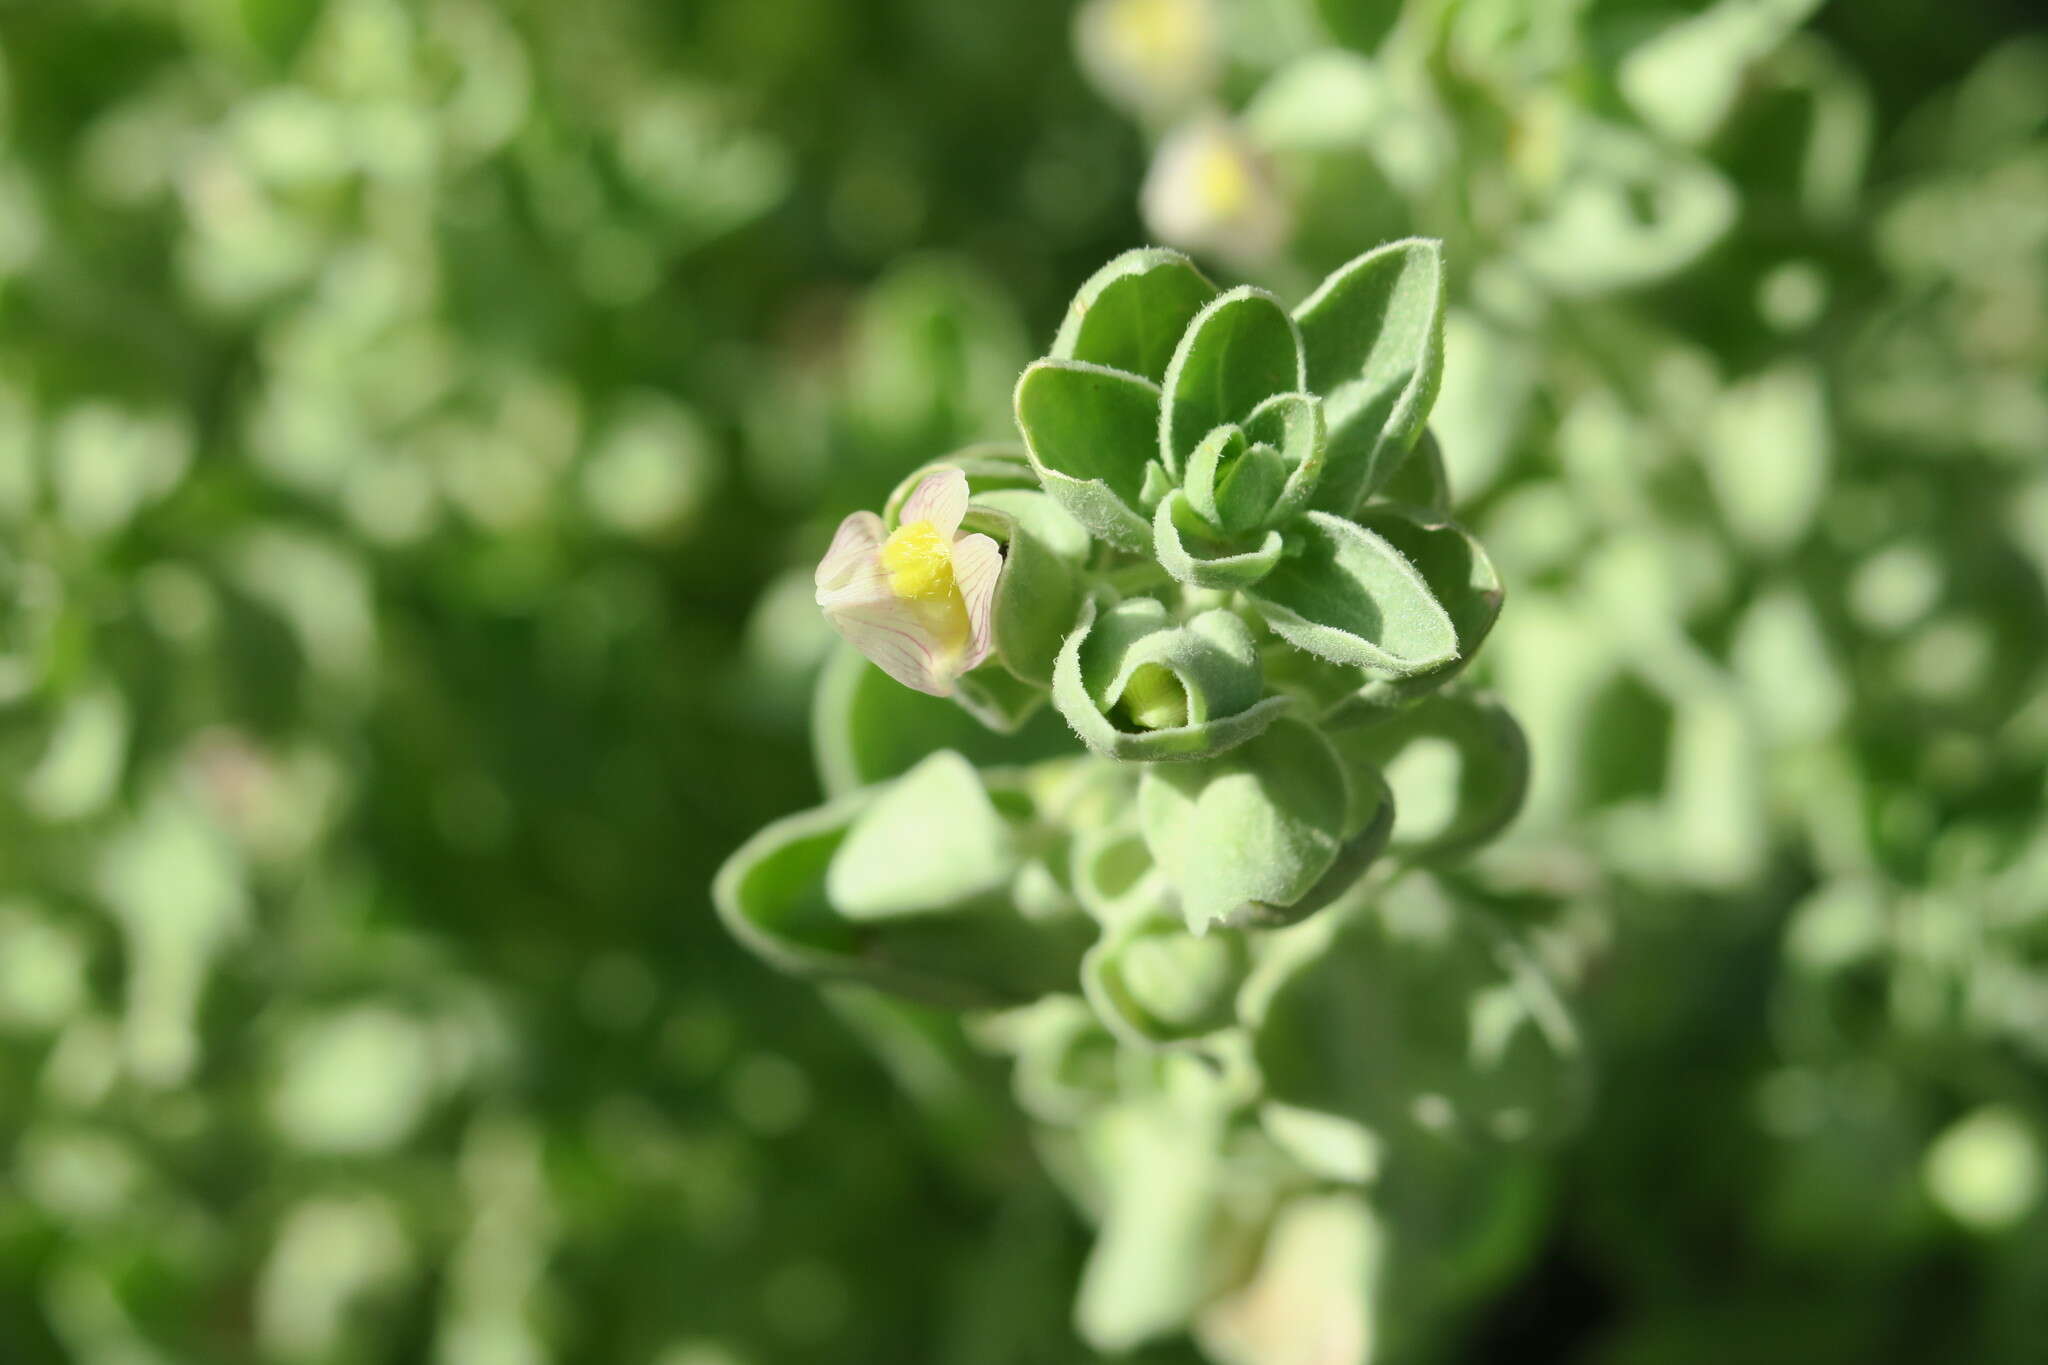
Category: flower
<point>1153,56</point>
<point>1211,189</point>
<point>917,601</point>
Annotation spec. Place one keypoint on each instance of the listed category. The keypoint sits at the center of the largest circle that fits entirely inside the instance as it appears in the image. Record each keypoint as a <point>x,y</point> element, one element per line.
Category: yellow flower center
<point>920,565</point>
<point>1163,36</point>
<point>1223,182</point>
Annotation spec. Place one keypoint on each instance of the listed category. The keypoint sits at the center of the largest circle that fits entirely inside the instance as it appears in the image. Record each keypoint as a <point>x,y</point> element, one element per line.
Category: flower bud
<point>1158,983</point>
<point>1137,684</point>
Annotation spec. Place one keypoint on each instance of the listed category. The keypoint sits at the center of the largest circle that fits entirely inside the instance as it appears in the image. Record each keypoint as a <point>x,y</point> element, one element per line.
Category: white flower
<point>1152,56</point>
<point>917,601</point>
<point>1211,190</point>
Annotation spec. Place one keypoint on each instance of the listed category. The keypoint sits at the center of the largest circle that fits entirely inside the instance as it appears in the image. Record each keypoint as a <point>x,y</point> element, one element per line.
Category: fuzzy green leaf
<point>1460,577</point>
<point>1113,874</point>
<point>1162,1246</point>
<point>1189,549</point>
<point>1037,595</point>
<point>1239,351</point>
<point>1066,1059</point>
<point>1346,595</point>
<point>1138,685</point>
<point>1217,455</point>
<point>1374,334</point>
<point>1293,425</point>
<point>1233,483</point>
<point>1253,831</point>
<point>1368,824</point>
<point>1421,481</point>
<point>814,894</point>
<point>1459,765</point>
<point>930,842</point>
<point>998,698</point>
<point>1420,1020</point>
<point>1090,432</point>
<point>1130,314</point>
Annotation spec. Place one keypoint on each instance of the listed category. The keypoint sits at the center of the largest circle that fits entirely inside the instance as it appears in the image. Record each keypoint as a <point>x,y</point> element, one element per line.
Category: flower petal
<point>977,565</point>
<point>892,638</point>
<point>853,550</point>
<point>941,499</point>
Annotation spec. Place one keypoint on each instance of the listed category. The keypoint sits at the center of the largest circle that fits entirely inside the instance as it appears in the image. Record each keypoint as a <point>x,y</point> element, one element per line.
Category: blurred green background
<point>417,423</point>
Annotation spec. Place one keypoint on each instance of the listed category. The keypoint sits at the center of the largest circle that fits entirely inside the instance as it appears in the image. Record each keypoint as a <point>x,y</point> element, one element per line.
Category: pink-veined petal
<point>853,549</point>
<point>866,584</point>
<point>939,498</point>
<point>977,565</point>
<point>891,638</point>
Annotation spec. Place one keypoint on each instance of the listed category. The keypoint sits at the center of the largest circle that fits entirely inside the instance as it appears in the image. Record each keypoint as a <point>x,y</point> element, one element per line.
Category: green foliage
<point>1135,683</point>
<point>1209,807</point>
<point>419,420</point>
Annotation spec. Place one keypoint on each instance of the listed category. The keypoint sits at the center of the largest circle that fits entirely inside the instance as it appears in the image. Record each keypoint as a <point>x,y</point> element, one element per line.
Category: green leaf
<point>1187,547</point>
<point>1767,450</point>
<point>1112,871</point>
<point>1419,1019</point>
<point>1037,594</point>
<point>1685,80</point>
<point>906,887</point>
<point>1293,425</point>
<point>930,842</point>
<point>1626,211</point>
<point>1315,1295</point>
<point>1460,577</point>
<point>1158,483</point>
<point>1368,824</point>
<point>1458,765</point>
<point>1374,334</point>
<point>1218,454</point>
<point>1155,983</point>
<point>868,728</point>
<point>1162,1247</point>
<point>1130,314</point>
<point>1243,837</point>
<point>1346,595</point>
<point>1246,491</point>
<point>1089,432</point>
<point>1066,1059</point>
<point>998,699</point>
<point>1421,481</point>
<point>771,891</point>
<point>1330,1146</point>
<point>1234,484</point>
<point>1239,351</point>
<point>1209,667</point>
